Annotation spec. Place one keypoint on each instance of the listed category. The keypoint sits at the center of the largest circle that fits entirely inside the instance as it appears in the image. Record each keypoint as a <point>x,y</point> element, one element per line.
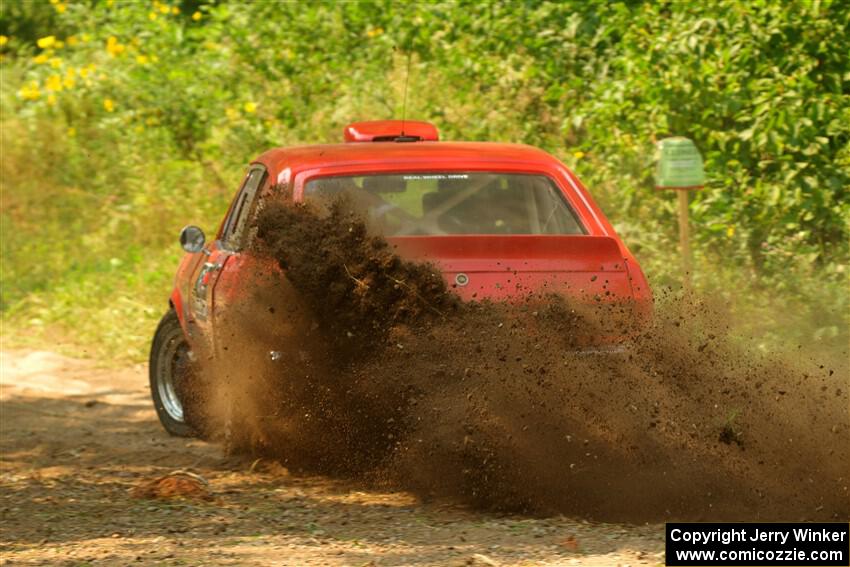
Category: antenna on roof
<point>404,103</point>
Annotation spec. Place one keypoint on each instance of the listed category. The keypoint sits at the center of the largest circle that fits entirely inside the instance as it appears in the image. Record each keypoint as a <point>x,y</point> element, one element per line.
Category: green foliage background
<point>137,118</point>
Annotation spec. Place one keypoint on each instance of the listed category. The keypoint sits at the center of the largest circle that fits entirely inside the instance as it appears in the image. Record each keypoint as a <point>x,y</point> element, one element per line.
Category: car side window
<point>236,223</point>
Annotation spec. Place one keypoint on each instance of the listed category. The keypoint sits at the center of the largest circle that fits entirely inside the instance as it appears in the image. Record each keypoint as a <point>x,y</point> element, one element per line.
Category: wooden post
<point>680,168</point>
<point>684,236</point>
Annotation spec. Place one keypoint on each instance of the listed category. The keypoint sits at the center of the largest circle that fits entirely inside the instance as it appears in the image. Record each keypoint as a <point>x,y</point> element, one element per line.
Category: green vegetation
<point>121,122</point>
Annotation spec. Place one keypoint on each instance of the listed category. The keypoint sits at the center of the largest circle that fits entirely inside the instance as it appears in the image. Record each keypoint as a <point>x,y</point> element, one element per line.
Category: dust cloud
<point>362,365</point>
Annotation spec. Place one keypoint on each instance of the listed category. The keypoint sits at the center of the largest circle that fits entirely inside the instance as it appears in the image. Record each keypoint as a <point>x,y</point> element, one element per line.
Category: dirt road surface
<point>76,439</point>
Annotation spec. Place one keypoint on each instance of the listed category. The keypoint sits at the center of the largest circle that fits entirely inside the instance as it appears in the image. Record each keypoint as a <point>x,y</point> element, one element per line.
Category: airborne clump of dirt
<point>356,287</point>
<point>363,365</point>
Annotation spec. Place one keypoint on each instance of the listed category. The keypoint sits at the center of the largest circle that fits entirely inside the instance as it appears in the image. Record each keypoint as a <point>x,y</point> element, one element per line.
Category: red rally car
<point>499,220</point>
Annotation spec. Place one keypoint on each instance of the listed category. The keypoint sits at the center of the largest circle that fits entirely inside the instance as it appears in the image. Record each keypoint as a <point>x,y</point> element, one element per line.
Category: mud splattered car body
<point>589,262</point>
<point>501,221</point>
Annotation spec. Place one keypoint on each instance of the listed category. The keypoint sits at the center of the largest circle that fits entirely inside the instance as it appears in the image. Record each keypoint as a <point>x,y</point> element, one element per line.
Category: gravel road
<point>77,438</point>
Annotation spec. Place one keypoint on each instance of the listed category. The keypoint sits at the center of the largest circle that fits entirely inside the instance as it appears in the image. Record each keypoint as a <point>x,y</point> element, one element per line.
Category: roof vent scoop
<point>391,131</point>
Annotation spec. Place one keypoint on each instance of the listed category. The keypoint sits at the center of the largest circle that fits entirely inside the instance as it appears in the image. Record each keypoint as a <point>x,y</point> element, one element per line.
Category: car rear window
<point>412,204</point>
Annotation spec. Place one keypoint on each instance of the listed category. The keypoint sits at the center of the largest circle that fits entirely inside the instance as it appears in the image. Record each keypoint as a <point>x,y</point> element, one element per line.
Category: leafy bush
<point>122,122</point>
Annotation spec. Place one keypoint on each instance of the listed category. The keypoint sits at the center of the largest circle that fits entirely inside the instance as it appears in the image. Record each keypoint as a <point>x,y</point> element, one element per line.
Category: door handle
<point>207,272</point>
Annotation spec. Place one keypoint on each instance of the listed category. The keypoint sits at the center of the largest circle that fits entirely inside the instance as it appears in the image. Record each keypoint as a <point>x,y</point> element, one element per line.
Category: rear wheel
<point>171,371</point>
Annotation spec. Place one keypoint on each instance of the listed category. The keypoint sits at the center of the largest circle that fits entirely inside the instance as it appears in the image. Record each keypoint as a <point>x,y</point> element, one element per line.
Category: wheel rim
<point>172,367</point>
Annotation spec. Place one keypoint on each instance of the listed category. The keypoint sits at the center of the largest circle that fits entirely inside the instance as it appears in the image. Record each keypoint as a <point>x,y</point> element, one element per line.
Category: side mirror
<point>192,239</point>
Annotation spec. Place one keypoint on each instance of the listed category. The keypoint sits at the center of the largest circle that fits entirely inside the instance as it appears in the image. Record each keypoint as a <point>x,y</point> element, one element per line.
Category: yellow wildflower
<point>196,16</point>
<point>85,37</point>
<point>250,107</point>
<point>108,104</point>
<point>375,32</point>
<point>142,59</point>
<point>109,3</point>
<point>578,155</point>
<point>164,9</point>
<point>152,16</point>
<point>46,41</point>
<point>3,40</point>
<point>114,47</point>
<point>139,129</point>
<point>54,83</point>
<point>51,100</point>
<point>30,91</point>
<point>151,121</point>
<point>72,132</point>
<point>40,59</point>
<point>175,10</point>
<point>59,44</point>
<point>54,2</point>
<point>730,231</point>
<point>60,8</point>
<point>69,82</point>
<point>71,40</point>
<point>231,113</point>
<point>55,62</point>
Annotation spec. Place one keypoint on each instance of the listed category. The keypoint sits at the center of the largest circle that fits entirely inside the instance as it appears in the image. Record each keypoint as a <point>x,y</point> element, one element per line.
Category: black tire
<point>170,369</point>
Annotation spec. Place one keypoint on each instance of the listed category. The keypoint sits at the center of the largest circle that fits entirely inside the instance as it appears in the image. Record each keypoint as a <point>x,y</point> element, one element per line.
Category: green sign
<point>679,165</point>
